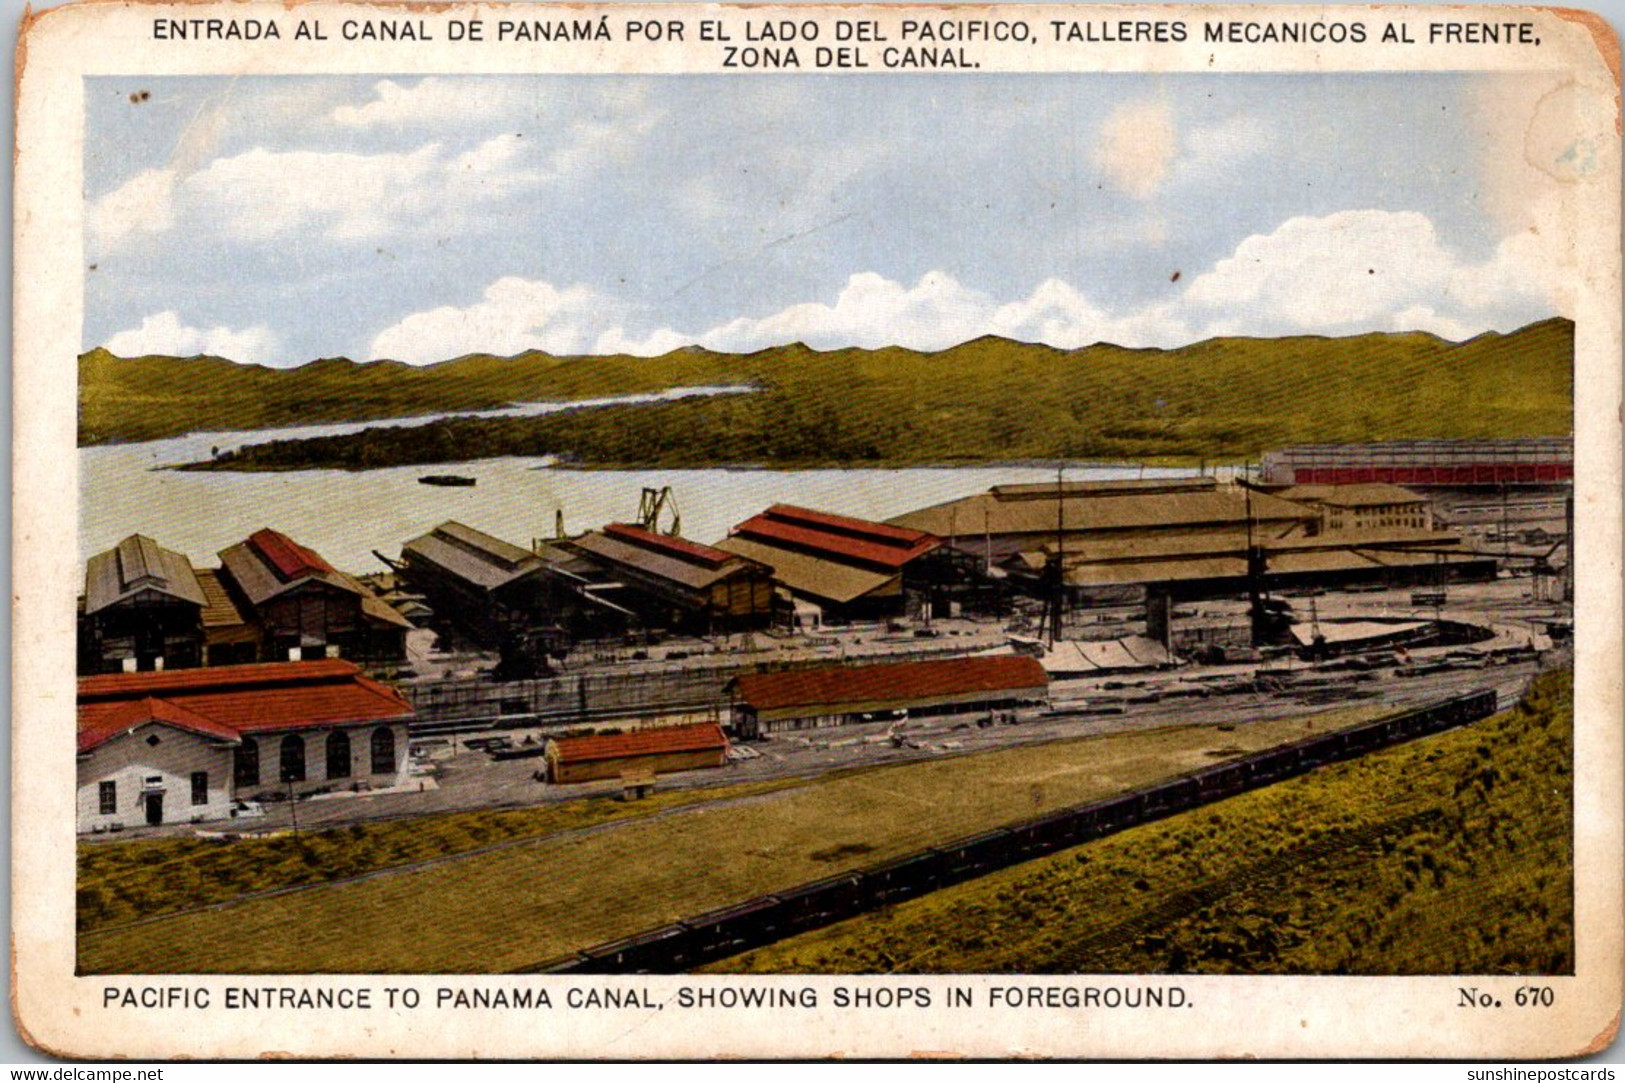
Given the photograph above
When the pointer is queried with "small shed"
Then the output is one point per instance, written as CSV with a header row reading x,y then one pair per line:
x,y
647,752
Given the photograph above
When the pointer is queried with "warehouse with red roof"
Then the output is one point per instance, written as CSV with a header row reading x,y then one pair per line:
x,y
655,751
765,703
181,745
851,569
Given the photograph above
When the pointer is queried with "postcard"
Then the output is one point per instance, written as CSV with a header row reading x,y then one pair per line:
x,y
706,531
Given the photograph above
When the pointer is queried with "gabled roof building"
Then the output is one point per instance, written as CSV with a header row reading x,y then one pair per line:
x,y
182,745
851,568
674,584
143,609
304,607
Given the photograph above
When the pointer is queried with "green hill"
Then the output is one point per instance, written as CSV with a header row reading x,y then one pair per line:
x,y
987,399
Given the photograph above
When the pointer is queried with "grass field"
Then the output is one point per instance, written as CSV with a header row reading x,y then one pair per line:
x,y
517,906
1449,855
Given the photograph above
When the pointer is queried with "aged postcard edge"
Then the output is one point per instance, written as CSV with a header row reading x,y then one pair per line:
x,y
1597,430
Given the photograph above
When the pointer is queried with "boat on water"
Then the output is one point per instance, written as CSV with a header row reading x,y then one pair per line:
x,y
446,479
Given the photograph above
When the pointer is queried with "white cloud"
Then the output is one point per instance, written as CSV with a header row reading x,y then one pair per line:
x,y
1136,147
262,194
435,101
1362,270
870,311
514,315
1344,273
143,204
163,333
1215,150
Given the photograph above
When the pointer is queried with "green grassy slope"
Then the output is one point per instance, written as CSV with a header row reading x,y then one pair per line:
x,y
1450,855
985,399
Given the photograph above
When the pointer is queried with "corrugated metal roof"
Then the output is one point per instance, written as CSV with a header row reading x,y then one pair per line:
x,y
658,565
659,740
809,575
287,558
136,564
1108,510
244,699
263,568
469,566
832,686
845,524
682,549
1371,494
837,538
1040,490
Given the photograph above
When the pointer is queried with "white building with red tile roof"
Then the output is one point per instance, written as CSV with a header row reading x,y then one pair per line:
x,y
181,745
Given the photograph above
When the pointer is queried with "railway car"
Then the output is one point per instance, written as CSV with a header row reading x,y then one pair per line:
x,y
1046,834
732,929
966,857
822,902
902,878
644,953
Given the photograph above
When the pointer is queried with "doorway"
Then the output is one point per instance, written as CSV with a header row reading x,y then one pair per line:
x,y
155,808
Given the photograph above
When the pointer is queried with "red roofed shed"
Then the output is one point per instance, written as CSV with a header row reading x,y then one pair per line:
x,y
649,751
835,695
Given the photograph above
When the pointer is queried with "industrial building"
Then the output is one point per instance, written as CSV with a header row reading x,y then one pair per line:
x,y
673,584
1216,565
143,609
837,568
1371,506
1011,519
147,608
304,608
657,751
182,745
766,703
1531,461
503,597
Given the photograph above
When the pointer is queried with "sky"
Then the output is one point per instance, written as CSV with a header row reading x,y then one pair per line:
x,y
279,219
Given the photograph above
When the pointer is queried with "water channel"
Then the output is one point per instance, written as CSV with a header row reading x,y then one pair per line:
x,y
344,515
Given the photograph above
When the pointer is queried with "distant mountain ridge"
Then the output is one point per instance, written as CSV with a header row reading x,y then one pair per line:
x,y
988,397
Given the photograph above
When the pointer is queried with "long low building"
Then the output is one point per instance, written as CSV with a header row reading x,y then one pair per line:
x,y
182,745
1009,519
656,751
766,703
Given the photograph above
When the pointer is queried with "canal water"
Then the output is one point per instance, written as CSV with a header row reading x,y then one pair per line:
x,y
124,489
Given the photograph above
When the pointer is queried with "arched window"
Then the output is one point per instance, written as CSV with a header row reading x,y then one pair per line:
x,y
293,758
383,751
338,754
247,766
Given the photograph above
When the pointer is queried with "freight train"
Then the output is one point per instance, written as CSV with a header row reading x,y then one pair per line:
x,y
695,941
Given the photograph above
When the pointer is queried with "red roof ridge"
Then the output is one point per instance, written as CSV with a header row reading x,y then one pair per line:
x,y
889,680
119,718
130,685
681,548
882,533
287,558
692,737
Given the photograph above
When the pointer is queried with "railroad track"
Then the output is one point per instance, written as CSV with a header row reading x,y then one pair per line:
x,y
765,919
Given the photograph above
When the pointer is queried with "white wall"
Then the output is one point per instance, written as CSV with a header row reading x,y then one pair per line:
x,y
129,761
